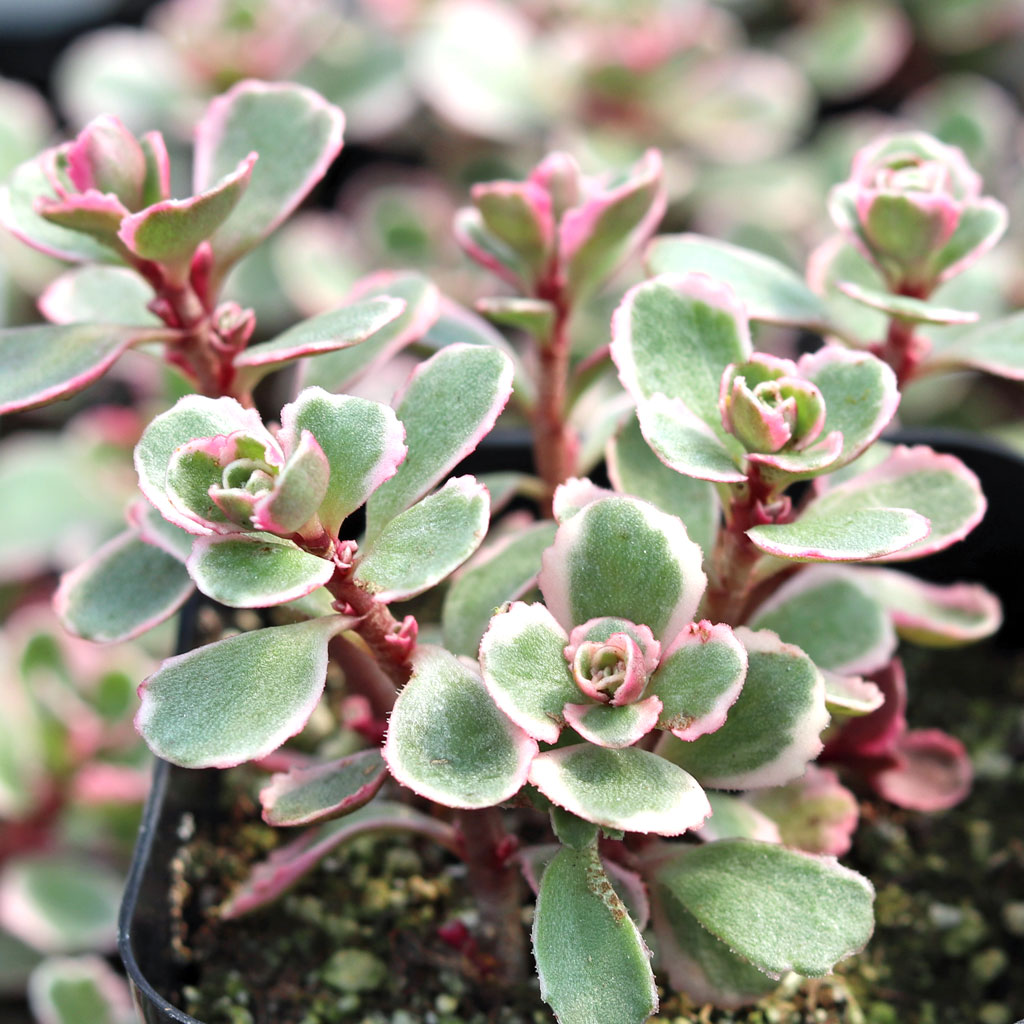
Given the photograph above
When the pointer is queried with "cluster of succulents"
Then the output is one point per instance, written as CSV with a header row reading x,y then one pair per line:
x,y
674,670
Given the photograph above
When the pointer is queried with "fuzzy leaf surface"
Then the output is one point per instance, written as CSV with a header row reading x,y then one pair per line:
x,y
771,291
629,789
832,617
625,558
73,990
361,439
772,731
336,329
675,335
996,347
699,678
448,741
423,544
99,294
237,699
525,671
125,588
296,134
256,570
777,908
937,487
593,964
305,795
449,404
482,588
635,469
45,362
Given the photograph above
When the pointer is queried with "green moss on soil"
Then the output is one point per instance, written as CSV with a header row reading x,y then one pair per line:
x,y
356,942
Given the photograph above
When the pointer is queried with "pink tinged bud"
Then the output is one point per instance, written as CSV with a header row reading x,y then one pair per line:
x,y
107,158
559,176
612,671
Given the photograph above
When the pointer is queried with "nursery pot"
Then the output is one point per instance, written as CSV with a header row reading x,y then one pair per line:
x,y
991,554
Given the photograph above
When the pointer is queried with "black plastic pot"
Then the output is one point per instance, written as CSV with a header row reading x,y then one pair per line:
x,y
992,554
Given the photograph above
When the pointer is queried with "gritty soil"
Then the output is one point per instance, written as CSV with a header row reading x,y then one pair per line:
x,y
357,941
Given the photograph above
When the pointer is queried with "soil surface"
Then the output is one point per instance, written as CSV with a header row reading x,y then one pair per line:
x,y
357,941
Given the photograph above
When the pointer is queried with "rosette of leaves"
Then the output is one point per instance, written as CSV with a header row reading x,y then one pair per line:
x,y
152,266
682,345
567,693
252,517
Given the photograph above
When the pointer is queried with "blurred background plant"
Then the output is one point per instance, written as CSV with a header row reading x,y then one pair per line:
x,y
758,107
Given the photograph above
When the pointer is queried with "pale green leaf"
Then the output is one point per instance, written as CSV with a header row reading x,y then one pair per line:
x,y
629,789
125,588
777,908
497,577
83,990
636,470
770,291
99,294
423,544
255,570
996,347
448,741
592,961
449,404
772,731
237,699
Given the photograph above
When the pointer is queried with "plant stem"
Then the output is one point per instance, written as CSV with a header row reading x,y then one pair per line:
x,y
554,442
496,884
903,349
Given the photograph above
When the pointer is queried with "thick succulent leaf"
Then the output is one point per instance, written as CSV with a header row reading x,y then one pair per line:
x,y
770,291
60,904
928,770
237,699
732,817
698,679
838,533
574,494
449,404
982,224
448,741
779,909
613,726
287,864
336,329
496,578
860,393
627,884
298,491
519,214
772,731
427,542
169,232
488,250
363,442
850,696
592,961
831,616
635,469
65,990
99,294
338,371
686,444
535,316
305,795
524,668
596,236
938,487
255,570
698,964
125,588
623,557
193,416
297,135
902,307
572,831
45,362
629,789
932,614
675,335
996,347
18,214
